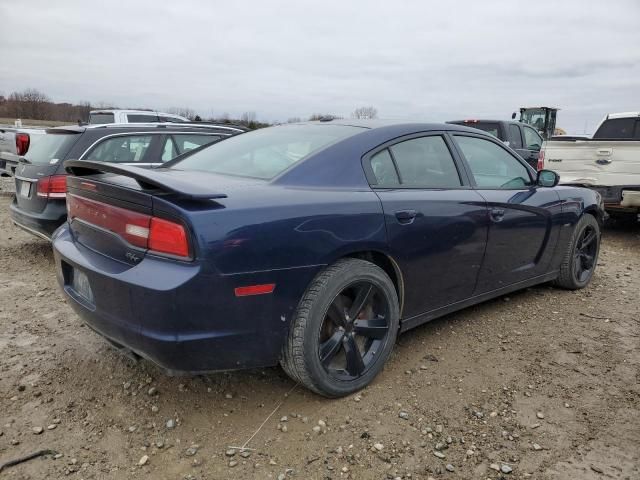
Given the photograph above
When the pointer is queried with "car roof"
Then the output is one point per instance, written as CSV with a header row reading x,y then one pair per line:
x,y
478,120
407,126
149,127
114,110
623,115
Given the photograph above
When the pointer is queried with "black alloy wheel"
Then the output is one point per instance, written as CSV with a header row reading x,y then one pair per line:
x,y
354,329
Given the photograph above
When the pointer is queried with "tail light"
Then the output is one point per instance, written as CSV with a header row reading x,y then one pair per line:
x,y
54,186
22,144
541,160
158,235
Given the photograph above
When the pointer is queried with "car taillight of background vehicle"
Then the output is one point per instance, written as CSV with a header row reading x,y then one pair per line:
x,y
22,143
541,160
158,235
54,186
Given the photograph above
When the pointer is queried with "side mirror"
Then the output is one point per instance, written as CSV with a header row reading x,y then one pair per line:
x,y
547,178
513,116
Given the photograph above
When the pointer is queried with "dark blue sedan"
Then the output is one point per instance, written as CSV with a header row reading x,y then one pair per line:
x,y
313,245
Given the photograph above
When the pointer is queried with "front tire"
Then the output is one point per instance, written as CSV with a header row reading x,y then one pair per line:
x,y
581,256
344,329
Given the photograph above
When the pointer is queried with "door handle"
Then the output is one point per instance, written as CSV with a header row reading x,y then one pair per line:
x,y
406,216
496,214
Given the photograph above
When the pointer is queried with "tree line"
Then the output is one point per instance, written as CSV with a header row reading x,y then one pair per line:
x,y
32,104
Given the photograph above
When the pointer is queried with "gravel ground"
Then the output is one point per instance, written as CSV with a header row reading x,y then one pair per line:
x,y
541,384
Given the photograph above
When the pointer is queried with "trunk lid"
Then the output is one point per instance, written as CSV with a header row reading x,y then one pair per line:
x,y
114,209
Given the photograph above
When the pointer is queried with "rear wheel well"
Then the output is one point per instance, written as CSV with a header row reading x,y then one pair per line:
x,y
389,266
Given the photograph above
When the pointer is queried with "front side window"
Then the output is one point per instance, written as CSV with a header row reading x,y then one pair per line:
x,y
425,163
266,152
491,165
125,149
532,139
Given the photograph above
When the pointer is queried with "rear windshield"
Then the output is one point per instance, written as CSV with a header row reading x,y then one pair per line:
x,y
489,127
44,149
266,152
618,129
100,118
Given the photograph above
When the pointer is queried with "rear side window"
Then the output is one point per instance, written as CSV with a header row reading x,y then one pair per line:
x,y
425,163
618,129
491,165
141,118
384,170
171,119
182,143
50,148
125,149
185,142
101,118
515,140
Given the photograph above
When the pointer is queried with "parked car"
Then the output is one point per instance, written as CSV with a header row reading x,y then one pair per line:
x,y
39,204
313,245
524,139
100,117
608,163
14,143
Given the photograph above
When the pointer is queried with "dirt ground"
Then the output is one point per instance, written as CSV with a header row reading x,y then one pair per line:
x,y
542,384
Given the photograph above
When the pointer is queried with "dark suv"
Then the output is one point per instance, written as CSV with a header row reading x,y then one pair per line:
x,y
40,202
522,138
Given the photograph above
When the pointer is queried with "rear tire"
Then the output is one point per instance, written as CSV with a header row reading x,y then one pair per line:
x,y
581,256
343,330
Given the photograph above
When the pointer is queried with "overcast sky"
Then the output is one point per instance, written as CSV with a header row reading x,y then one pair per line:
x,y
428,60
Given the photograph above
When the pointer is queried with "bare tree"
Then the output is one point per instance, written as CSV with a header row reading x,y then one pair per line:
x,y
30,103
323,116
248,117
365,113
294,120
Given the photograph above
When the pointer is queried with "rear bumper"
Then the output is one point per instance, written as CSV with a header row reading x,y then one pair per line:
x,y
41,224
172,313
619,198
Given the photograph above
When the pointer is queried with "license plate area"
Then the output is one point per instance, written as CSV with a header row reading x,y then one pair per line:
x,y
77,284
25,189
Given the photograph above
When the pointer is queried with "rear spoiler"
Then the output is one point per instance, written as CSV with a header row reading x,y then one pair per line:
x,y
146,178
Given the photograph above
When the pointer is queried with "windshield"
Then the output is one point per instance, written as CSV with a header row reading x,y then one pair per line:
x,y
266,152
489,127
101,118
50,146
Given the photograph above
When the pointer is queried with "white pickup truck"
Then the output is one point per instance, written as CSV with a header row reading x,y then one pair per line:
x,y
609,162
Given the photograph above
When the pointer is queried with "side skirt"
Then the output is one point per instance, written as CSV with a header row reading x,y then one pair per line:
x,y
412,322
